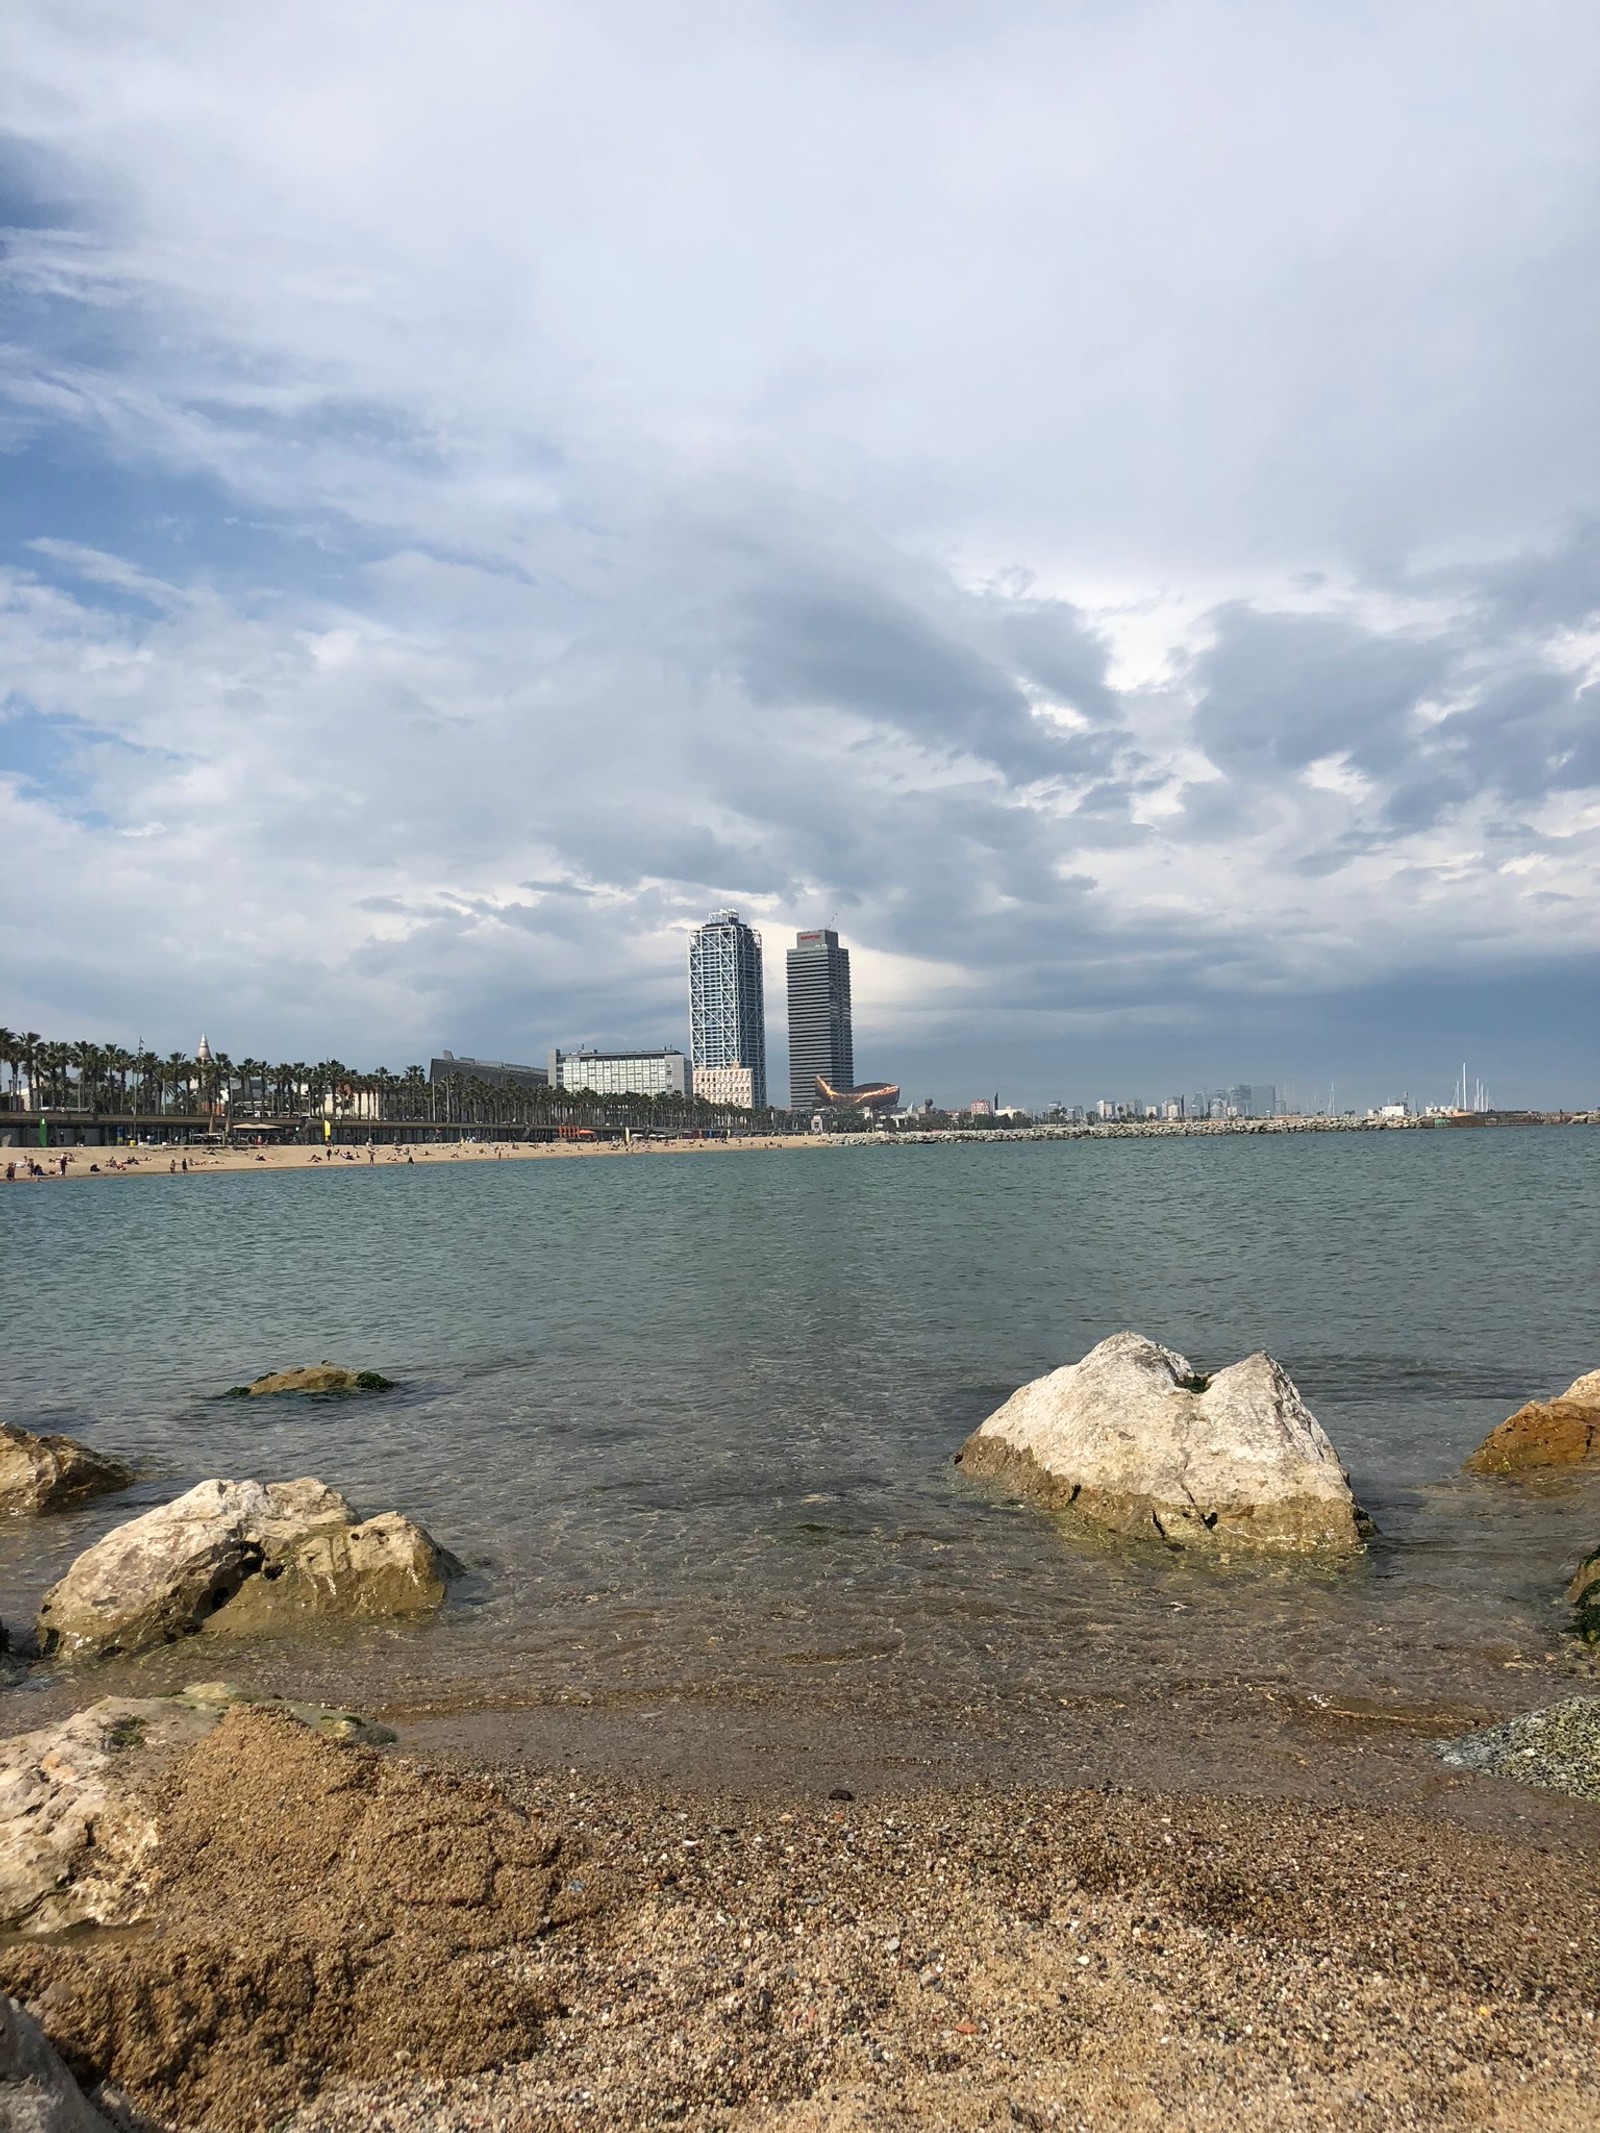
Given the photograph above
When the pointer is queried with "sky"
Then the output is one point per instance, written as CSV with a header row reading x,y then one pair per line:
x,y
1099,503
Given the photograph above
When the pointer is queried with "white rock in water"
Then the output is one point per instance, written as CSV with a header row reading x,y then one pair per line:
x,y
37,2091
1135,1438
243,1555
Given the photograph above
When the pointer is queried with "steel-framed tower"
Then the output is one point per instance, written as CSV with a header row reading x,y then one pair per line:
x,y
727,1000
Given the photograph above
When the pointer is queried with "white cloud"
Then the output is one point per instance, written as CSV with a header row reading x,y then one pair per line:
x,y
1089,496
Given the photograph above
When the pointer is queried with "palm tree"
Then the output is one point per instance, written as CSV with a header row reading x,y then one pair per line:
x,y
176,1071
148,1068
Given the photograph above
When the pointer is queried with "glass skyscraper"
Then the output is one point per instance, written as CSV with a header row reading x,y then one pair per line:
x,y
820,1038
727,1000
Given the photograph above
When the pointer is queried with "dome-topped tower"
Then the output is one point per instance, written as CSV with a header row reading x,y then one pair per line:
x,y
202,1051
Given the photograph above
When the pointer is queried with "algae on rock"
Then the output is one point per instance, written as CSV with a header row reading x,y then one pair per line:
x,y
322,1380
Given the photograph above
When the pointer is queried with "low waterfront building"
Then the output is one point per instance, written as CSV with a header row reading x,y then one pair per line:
x,y
732,1085
498,1073
663,1071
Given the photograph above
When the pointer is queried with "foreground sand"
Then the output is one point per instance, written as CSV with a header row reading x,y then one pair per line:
x,y
368,1943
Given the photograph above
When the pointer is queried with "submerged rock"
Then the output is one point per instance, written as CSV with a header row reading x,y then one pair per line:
x,y
40,1474
37,2091
1564,1431
78,1801
319,1378
184,1567
1134,1438
1557,1748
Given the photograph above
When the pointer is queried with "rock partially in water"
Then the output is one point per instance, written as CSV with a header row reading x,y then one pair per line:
x,y
78,1801
1134,1438
187,1566
160,1576
388,1566
1564,1431
37,2091
323,1379
39,1474
1557,1748
1583,1597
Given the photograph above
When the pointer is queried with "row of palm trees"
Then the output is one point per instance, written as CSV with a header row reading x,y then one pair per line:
x,y
102,1079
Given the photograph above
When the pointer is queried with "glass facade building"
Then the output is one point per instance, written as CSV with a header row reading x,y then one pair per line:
x,y
727,1001
820,1036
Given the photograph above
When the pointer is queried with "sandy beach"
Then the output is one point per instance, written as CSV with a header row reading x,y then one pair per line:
x,y
350,1941
203,1162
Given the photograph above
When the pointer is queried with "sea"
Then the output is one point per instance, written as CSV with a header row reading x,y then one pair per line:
x,y
688,1419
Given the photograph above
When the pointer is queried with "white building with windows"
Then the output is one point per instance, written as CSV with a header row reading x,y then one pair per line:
x,y
662,1072
733,1085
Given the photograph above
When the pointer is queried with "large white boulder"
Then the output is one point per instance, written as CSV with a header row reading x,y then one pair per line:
x,y
1134,1438
239,1555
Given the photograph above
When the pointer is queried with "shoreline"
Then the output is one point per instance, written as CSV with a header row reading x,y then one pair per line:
x,y
155,1160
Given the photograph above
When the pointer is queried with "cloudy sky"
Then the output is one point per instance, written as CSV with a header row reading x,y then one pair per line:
x,y
1099,502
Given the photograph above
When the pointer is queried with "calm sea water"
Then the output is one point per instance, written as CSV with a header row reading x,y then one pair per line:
x,y
689,1419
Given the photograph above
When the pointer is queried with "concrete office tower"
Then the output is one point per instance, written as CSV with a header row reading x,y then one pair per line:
x,y
727,1004
820,1039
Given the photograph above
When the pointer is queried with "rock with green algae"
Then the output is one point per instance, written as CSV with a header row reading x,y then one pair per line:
x,y
77,1800
324,1380
1557,1748
1583,1597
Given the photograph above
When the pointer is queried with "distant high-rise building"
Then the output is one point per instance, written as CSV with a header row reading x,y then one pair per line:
x,y
820,1039
1254,1099
727,1001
